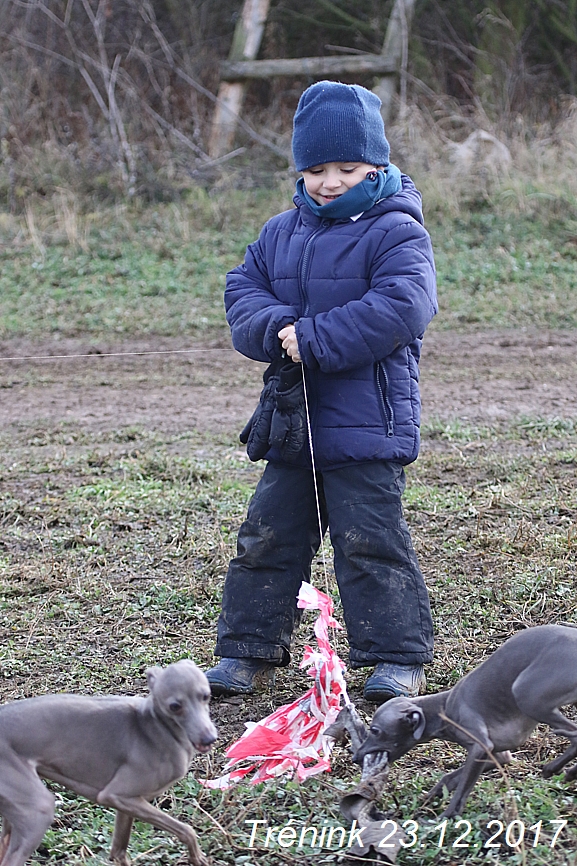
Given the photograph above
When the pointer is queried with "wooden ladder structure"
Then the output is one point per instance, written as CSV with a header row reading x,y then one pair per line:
x,y
241,66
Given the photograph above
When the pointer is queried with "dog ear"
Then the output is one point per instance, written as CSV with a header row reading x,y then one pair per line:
x,y
151,675
417,721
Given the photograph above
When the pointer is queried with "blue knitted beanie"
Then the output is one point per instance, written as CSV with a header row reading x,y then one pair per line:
x,y
337,122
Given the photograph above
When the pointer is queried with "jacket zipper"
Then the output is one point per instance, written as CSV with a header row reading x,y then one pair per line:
x,y
304,267
302,280
384,393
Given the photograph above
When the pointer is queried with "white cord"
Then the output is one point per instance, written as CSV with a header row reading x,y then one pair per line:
x,y
95,355
315,483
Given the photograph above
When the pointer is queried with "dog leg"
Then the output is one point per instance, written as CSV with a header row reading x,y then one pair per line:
x,y
27,815
448,781
542,709
142,810
561,726
120,839
556,765
571,774
451,780
466,777
4,839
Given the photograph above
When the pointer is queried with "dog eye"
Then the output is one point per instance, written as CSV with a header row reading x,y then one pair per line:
x,y
374,730
175,706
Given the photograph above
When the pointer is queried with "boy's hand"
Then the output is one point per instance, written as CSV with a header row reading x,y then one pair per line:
x,y
289,342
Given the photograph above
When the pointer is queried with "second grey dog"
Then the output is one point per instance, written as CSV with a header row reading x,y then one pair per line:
x,y
116,751
493,709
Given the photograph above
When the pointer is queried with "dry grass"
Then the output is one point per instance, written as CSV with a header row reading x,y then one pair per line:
x,y
515,169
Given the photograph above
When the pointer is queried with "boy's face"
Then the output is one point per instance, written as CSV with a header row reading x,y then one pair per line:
x,y
324,183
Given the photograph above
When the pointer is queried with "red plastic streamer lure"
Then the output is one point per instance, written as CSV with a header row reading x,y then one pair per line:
x,y
291,740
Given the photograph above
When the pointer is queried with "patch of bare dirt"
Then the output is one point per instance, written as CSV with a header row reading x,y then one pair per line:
x,y
476,377
492,376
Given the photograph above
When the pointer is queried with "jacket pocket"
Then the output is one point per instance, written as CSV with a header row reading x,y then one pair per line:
x,y
385,404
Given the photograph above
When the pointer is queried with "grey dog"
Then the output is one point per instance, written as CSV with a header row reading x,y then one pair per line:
x,y
116,751
490,711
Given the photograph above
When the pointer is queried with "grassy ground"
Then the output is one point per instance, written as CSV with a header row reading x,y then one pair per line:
x,y
161,270
113,557
114,547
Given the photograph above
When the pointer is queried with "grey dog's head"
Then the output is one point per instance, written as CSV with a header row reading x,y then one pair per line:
x,y
181,694
396,727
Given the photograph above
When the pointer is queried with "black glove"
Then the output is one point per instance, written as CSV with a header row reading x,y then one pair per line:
x,y
256,433
280,417
288,430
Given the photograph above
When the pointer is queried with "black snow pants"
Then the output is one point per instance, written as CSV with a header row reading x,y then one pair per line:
x,y
384,598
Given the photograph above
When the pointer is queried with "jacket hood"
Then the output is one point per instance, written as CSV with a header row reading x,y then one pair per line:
x,y
408,200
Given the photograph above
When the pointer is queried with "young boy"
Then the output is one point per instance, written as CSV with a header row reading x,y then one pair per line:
x,y
345,285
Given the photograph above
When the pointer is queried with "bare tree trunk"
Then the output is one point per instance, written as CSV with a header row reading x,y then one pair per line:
x,y
396,51
245,45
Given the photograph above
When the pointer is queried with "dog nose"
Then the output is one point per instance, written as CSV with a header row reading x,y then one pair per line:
x,y
210,737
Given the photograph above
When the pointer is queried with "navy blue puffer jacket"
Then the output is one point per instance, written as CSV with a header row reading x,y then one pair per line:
x,y
361,294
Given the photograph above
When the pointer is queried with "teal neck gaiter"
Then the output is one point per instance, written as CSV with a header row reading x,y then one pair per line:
x,y
359,198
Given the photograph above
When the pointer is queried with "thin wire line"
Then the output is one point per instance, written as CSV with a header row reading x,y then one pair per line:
x,y
316,487
104,355
347,700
